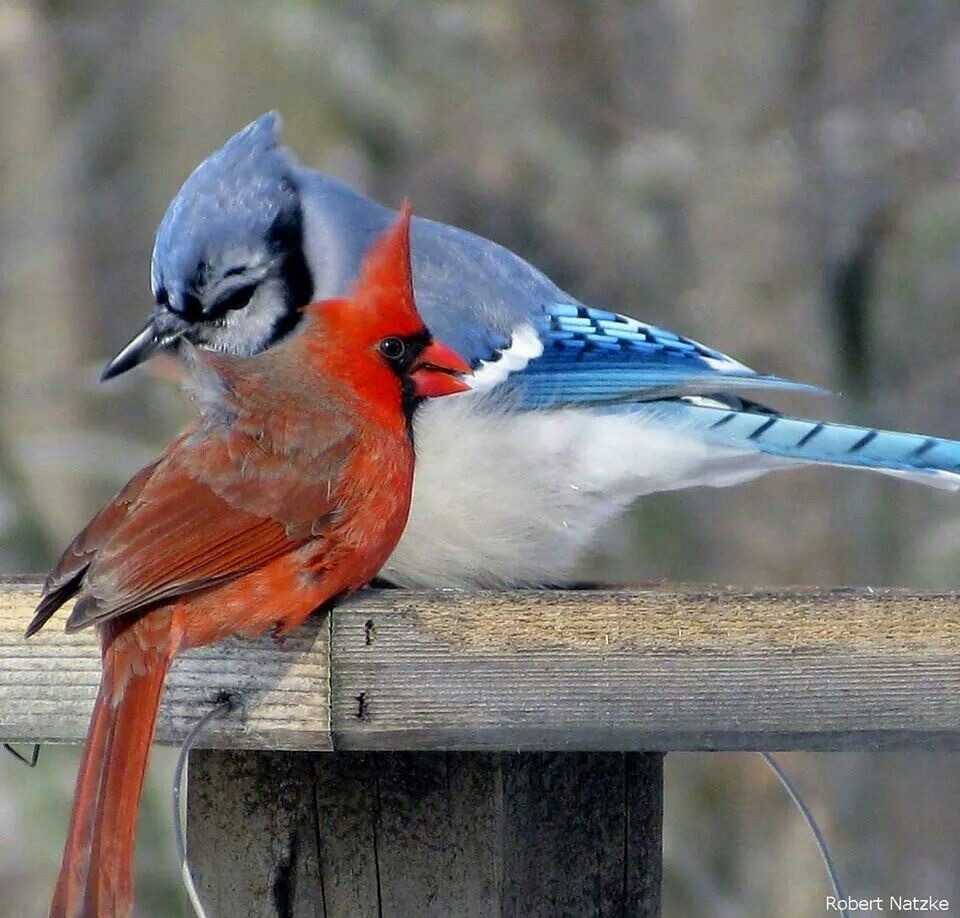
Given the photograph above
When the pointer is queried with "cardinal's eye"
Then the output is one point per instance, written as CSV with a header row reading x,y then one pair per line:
x,y
393,348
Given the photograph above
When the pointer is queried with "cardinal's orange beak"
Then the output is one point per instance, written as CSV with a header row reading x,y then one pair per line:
x,y
439,371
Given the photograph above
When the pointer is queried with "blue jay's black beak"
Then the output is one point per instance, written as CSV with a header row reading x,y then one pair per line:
x,y
147,342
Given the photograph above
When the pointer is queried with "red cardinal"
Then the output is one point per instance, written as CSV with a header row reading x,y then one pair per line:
x,y
287,494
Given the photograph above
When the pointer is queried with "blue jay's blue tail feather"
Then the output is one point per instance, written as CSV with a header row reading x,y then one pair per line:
x,y
928,460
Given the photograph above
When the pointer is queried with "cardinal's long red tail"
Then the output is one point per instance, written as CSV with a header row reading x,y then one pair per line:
x,y
96,875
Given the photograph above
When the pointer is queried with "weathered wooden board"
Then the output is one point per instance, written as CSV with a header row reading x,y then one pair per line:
x,y
252,833
487,835
685,669
690,668
47,684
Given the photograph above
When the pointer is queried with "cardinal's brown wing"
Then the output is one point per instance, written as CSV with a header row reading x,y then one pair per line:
x,y
216,506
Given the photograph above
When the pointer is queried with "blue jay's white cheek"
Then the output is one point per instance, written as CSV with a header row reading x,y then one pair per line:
x,y
252,329
525,345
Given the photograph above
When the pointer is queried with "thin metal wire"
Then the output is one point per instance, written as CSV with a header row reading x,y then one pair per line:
x,y
225,703
20,757
818,837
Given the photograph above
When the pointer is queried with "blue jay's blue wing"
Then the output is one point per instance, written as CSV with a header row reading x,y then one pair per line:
x,y
506,317
590,356
742,425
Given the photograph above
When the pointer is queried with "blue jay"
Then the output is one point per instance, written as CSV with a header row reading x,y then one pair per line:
x,y
576,412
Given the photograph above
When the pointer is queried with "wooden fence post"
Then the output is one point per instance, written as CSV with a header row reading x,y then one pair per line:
x,y
424,834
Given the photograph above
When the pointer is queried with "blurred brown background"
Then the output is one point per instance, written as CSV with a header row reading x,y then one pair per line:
x,y
777,178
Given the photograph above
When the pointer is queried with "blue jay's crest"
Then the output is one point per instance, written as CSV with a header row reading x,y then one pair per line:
x,y
245,192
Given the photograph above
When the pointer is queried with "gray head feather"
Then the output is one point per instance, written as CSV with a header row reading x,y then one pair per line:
x,y
228,262
237,194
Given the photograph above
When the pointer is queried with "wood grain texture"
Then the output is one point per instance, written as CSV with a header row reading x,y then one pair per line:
x,y
425,835
680,669
252,833
48,684
687,668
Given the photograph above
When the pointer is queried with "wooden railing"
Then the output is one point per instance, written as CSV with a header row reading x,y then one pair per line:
x,y
497,753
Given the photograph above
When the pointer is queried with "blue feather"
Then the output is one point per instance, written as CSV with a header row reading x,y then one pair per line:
x,y
593,356
808,441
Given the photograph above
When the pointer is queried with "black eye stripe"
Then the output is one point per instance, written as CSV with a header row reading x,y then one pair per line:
x,y
401,352
236,299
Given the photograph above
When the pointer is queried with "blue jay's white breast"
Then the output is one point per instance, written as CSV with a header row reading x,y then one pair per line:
x,y
507,498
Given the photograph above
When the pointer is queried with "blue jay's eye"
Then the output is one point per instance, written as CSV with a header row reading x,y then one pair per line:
x,y
393,348
238,299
